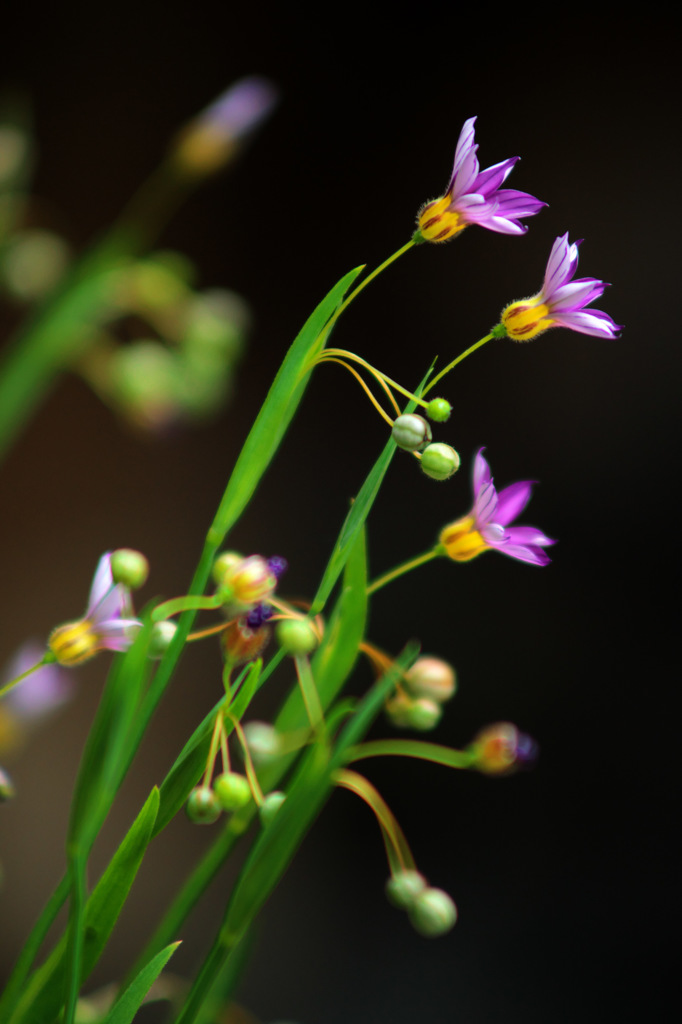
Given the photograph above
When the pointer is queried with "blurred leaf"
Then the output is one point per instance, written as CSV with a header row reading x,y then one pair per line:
x,y
124,1009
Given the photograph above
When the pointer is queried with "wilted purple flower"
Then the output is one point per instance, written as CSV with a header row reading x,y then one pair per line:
x,y
487,525
104,626
500,749
475,197
560,303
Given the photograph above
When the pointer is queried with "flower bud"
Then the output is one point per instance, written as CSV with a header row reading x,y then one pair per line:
x,y
160,638
240,643
411,432
403,888
202,806
433,913
431,678
421,714
34,261
7,790
223,564
263,741
129,567
500,749
439,410
296,636
248,582
232,791
271,806
439,461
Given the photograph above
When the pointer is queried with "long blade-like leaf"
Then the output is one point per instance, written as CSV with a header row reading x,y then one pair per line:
x,y
124,1009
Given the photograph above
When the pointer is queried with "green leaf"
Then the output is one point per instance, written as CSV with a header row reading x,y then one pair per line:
x,y
277,411
44,993
124,1009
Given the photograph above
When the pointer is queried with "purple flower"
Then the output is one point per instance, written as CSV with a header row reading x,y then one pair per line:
x,y
42,692
487,525
500,749
561,302
105,625
475,197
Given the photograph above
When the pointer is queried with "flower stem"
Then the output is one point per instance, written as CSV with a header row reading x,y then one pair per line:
x,y
459,359
375,273
46,659
400,569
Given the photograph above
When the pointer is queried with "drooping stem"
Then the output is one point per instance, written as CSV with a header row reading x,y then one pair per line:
x,y
453,364
401,569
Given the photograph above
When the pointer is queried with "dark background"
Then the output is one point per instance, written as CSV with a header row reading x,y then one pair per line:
x,y
563,877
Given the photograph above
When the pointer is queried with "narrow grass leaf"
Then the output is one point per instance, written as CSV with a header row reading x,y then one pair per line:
x,y
124,1009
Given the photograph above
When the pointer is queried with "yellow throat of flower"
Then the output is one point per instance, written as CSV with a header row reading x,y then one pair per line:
x,y
526,319
74,643
437,223
462,541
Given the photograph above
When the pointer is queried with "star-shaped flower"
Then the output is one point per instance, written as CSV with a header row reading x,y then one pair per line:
x,y
475,197
487,525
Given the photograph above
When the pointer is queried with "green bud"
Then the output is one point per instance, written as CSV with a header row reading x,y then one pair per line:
x,y
431,678
439,461
424,714
223,563
202,806
296,636
438,410
160,638
263,741
7,790
411,432
433,913
232,791
403,888
271,806
129,567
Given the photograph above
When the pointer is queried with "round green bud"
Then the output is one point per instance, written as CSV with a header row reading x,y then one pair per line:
x,y
433,913
232,790
403,888
271,806
423,715
439,461
439,410
202,806
7,790
129,567
263,741
431,678
160,638
296,636
223,563
411,432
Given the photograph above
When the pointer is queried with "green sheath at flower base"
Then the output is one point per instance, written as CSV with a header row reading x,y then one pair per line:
x,y
297,637
403,888
433,913
411,432
440,461
129,567
439,410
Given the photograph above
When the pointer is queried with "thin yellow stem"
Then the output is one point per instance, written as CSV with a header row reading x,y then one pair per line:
x,y
224,751
381,377
454,362
390,828
213,749
251,775
400,569
331,359
211,631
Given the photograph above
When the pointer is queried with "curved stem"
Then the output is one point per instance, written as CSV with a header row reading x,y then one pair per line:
x,y
383,378
454,362
400,569
341,362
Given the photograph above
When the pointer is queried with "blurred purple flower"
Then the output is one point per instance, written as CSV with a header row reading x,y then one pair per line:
x,y
241,108
560,303
487,525
475,197
42,692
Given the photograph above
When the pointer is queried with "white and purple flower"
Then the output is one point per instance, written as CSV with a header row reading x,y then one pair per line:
x,y
487,526
105,626
561,302
475,197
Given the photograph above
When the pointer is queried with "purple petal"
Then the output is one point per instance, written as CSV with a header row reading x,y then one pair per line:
x,y
102,582
485,505
117,634
242,107
494,534
512,500
492,177
512,203
481,475
465,176
593,321
522,553
43,691
561,265
464,145
528,535
503,226
571,297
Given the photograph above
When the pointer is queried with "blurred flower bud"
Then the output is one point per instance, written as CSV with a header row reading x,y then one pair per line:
x,y
232,791
411,432
33,263
406,713
160,638
500,749
439,410
277,565
431,678
248,582
271,806
202,806
258,615
439,461
145,380
208,142
433,913
7,790
263,741
403,888
225,561
296,636
215,325
241,643
129,567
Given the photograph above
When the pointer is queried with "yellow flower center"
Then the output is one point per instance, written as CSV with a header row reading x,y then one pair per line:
x,y
437,223
74,643
461,541
526,319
